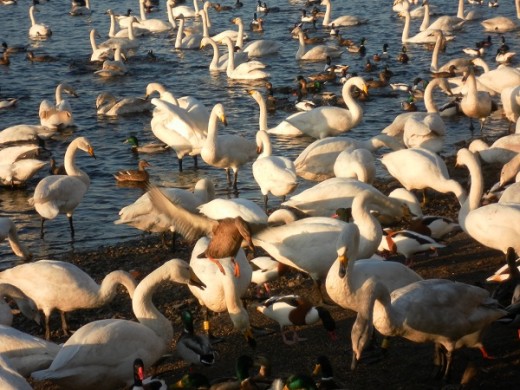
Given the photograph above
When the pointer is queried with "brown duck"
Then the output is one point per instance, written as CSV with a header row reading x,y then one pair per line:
x,y
136,175
226,234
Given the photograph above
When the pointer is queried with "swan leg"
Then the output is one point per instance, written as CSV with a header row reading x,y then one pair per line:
x,y
449,358
195,162
228,176
438,361
265,202
41,229
64,325
47,328
180,164
235,178
71,227
482,123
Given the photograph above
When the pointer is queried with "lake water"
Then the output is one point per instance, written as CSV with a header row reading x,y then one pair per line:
x,y
185,73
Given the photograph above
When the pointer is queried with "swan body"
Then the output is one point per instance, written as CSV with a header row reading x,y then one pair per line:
x,y
494,225
251,70
27,353
262,47
192,41
476,104
58,285
420,168
142,215
10,379
37,30
223,289
8,230
246,209
497,79
356,164
348,275
153,25
316,161
421,37
98,53
113,68
228,151
83,362
342,21
23,134
26,306
316,53
325,121
125,44
57,115
187,11
502,150
81,10
61,194
108,105
444,23
19,172
219,62
448,313
502,24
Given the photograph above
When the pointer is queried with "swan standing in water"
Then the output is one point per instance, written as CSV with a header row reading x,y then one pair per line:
x,y
61,194
476,104
8,230
227,151
273,174
325,121
348,275
37,31
57,115
495,225
58,285
83,362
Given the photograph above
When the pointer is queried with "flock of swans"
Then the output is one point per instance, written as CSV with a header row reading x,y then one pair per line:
x,y
341,255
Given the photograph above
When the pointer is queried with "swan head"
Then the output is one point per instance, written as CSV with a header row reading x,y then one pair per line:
x,y
347,247
237,20
104,97
154,87
218,110
84,144
358,82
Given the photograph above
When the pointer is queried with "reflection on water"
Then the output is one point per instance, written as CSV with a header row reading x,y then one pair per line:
x,y
183,73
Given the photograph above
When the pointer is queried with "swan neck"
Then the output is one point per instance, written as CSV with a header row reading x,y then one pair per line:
x,y
169,12
301,46
460,10
131,35
383,140
31,16
406,28
205,23
59,94
231,56
369,227
216,54
262,121
196,6
141,10
476,188
7,289
240,38
385,319
429,103
212,129
144,309
93,43
435,55
108,287
70,164
328,11
263,141
353,106
112,32
180,31
18,248
517,6
426,18
207,20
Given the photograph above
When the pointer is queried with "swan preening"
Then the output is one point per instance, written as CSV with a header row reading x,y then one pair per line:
x,y
61,194
83,362
8,230
58,115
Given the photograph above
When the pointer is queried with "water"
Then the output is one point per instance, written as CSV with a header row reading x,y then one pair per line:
x,y
183,73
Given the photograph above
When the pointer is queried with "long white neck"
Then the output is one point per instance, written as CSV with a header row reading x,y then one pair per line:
x,y
117,54
369,227
70,164
406,28
108,288
231,56
216,54
196,6
205,10
163,93
131,35
480,62
460,10
18,248
382,140
426,18
180,31
240,37
517,6
59,93
301,47
429,103
169,12
31,15
263,143
436,50
204,191
465,157
93,43
328,11
141,10
87,4
211,138
205,23
113,30
355,109
262,120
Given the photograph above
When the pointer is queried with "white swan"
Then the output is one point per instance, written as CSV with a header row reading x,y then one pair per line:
x,y
341,21
451,314
25,304
499,78
13,153
316,53
325,121
124,33
81,10
419,169
125,44
502,150
83,362
19,134
113,68
357,164
476,104
8,230
219,62
192,41
153,25
98,53
348,274
236,36
316,161
57,115
246,209
227,151
142,215
274,174
37,30
61,194
472,14
502,24
251,70
186,11
494,225
19,172
444,23
262,47
10,379
58,285
27,353
224,288
108,105
421,37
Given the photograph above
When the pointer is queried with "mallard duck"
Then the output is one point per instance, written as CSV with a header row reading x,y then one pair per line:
x,y
381,82
485,43
266,269
312,40
403,57
192,380
148,148
384,54
4,60
409,105
300,382
344,41
361,49
139,175
219,8
324,367
329,75
140,382
55,169
290,310
257,24
446,74
41,58
243,379
13,49
194,349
